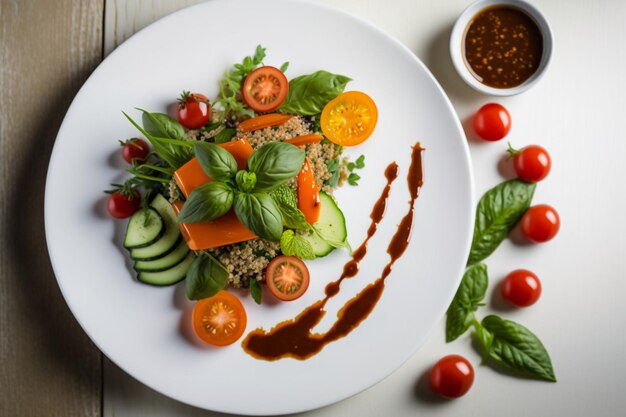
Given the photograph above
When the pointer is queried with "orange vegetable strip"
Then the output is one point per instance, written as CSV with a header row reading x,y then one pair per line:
x,y
305,139
191,175
308,194
266,120
219,232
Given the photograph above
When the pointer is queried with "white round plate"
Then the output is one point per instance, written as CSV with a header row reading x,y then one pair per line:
x,y
145,330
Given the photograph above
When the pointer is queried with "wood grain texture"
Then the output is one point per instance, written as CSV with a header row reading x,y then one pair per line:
x,y
123,18
48,365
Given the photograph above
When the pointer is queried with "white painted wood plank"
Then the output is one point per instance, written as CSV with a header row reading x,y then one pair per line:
x,y
576,112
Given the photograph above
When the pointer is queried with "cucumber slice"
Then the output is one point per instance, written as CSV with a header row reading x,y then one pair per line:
x,y
331,227
168,242
170,276
144,228
166,262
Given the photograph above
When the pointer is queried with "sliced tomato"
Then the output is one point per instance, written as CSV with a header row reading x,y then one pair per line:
x,y
219,320
287,278
265,89
349,118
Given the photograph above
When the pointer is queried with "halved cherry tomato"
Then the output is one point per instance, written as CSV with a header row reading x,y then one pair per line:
x,y
349,118
219,320
287,278
521,288
265,89
135,150
260,122
194,110
532,163
452,376
308,194
492,122
540,223
123,204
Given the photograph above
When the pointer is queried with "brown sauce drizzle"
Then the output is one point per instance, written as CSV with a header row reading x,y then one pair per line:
x,y
293,338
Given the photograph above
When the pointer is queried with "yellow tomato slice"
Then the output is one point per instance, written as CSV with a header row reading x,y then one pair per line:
x,y
349,119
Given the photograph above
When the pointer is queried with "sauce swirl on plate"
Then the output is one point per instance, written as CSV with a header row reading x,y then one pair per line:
x,y
294,338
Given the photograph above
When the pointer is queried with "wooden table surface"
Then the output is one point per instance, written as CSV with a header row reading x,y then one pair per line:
x,y
48,366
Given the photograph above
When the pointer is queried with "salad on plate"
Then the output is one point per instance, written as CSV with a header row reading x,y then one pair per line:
x,y
238,191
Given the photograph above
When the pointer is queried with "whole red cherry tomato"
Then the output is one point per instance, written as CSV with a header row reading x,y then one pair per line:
x,y
452,376
492,122
135,150
521,288
194,110
532,163
540,223
122,205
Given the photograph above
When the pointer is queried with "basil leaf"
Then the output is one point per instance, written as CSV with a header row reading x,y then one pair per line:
x,y
255,291
517,348
216,161
245,180
308,94
284,67
292,244
225,135
205,278
207,202
274,164
466,300
259,213
497,212
162,125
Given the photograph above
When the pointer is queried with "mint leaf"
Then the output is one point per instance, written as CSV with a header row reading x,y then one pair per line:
x,y
255,291
292,244
517,348
466,301
498,211
205,278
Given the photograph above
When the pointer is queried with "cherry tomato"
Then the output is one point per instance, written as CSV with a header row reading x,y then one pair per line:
x,y
135,150
492,122
521,288
452,376
122,205
287,278
540,223
532,163
194,110
349,118
219,320
265,89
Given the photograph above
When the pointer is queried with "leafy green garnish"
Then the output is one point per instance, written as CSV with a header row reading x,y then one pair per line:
x,y
255,291
292,244
308,94
207,202
205,278
230,85
466,301
260,214
274,164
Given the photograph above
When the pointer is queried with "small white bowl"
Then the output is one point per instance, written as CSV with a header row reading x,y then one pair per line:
x,y
457,41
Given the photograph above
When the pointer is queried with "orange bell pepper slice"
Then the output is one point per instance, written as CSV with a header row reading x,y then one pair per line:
x,y
308,194
191,175
305,139
266,120
219,232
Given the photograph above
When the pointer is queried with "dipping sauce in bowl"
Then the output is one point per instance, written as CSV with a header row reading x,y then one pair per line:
x,y
503,46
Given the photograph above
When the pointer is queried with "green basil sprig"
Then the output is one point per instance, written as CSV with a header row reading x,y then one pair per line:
x,y
497,212
205,278
466,301
308,94
247,192
255,291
